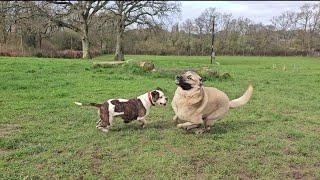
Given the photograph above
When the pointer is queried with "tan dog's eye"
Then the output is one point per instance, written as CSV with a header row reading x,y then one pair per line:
x,y
189,77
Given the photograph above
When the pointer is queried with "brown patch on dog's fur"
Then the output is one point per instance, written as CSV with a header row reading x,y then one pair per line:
x,y
132,109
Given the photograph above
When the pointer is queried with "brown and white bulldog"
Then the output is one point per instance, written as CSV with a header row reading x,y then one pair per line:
x,y
128,109
194,103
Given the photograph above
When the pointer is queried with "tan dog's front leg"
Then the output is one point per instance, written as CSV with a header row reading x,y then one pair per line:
x,y
175,118
188,125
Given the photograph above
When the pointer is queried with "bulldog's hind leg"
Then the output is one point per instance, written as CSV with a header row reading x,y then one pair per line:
x,y
105,120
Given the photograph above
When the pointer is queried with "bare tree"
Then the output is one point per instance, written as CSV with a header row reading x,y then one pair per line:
x,y
76,16
4,19
174,34
200,23
127,13
188,27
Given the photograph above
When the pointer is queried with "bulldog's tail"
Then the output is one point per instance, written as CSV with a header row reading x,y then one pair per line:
x,y
243,99
88,104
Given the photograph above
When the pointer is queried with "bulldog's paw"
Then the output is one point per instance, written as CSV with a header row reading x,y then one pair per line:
x,y
103,129
142,126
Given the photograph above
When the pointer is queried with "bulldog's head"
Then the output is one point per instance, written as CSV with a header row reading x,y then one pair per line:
x,y
158,97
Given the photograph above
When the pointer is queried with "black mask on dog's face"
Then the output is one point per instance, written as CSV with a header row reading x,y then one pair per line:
x,y
183,84
189,80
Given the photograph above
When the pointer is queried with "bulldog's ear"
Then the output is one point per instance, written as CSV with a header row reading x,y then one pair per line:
x,y
155,95
158,88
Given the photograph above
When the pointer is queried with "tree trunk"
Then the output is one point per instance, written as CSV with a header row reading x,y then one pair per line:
x,y
189,46
85,42
119,56
40,41
85,47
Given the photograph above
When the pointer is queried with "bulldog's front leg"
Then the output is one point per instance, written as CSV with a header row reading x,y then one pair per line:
x,y
143,123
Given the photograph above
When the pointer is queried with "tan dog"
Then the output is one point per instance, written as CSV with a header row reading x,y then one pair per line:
x,y
196,104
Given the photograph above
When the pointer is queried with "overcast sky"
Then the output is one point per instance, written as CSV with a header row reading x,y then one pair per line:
x,y
258,11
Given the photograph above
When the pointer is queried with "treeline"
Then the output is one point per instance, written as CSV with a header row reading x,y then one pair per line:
x,y
291,33
89,28
58,28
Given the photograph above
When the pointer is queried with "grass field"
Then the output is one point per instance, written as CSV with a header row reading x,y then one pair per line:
x,y
44,135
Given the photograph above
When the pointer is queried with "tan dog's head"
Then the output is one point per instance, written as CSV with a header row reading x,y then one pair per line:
x,y
189,80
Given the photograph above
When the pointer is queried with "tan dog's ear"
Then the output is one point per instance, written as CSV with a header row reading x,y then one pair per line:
x,y
202,79
158,88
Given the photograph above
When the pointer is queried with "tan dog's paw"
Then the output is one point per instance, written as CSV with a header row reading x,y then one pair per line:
x,y
200,131
180,126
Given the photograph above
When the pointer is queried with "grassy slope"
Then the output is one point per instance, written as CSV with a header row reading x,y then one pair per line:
x,y
276,135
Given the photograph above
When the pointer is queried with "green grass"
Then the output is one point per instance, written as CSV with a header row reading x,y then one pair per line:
x,y
44,135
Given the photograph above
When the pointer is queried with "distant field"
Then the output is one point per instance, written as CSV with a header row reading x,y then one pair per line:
x,y
44,135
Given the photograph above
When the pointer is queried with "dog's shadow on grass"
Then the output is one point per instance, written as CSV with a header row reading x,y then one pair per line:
x,y
160,125
218,128
232,126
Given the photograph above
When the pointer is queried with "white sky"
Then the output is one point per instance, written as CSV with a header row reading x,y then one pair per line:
x,y
258,11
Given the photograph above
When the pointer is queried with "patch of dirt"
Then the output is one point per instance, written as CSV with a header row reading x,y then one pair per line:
x,y
97,159
286,151
297,172
198,166
40,166
317,164
3,152
7,129
290,138
252,137
174,150
243,175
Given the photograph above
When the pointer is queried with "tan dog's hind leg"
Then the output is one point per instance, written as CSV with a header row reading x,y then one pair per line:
x,y
209,121
207,127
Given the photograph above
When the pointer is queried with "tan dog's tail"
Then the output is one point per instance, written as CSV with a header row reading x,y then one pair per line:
x,y
243,99
88,104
